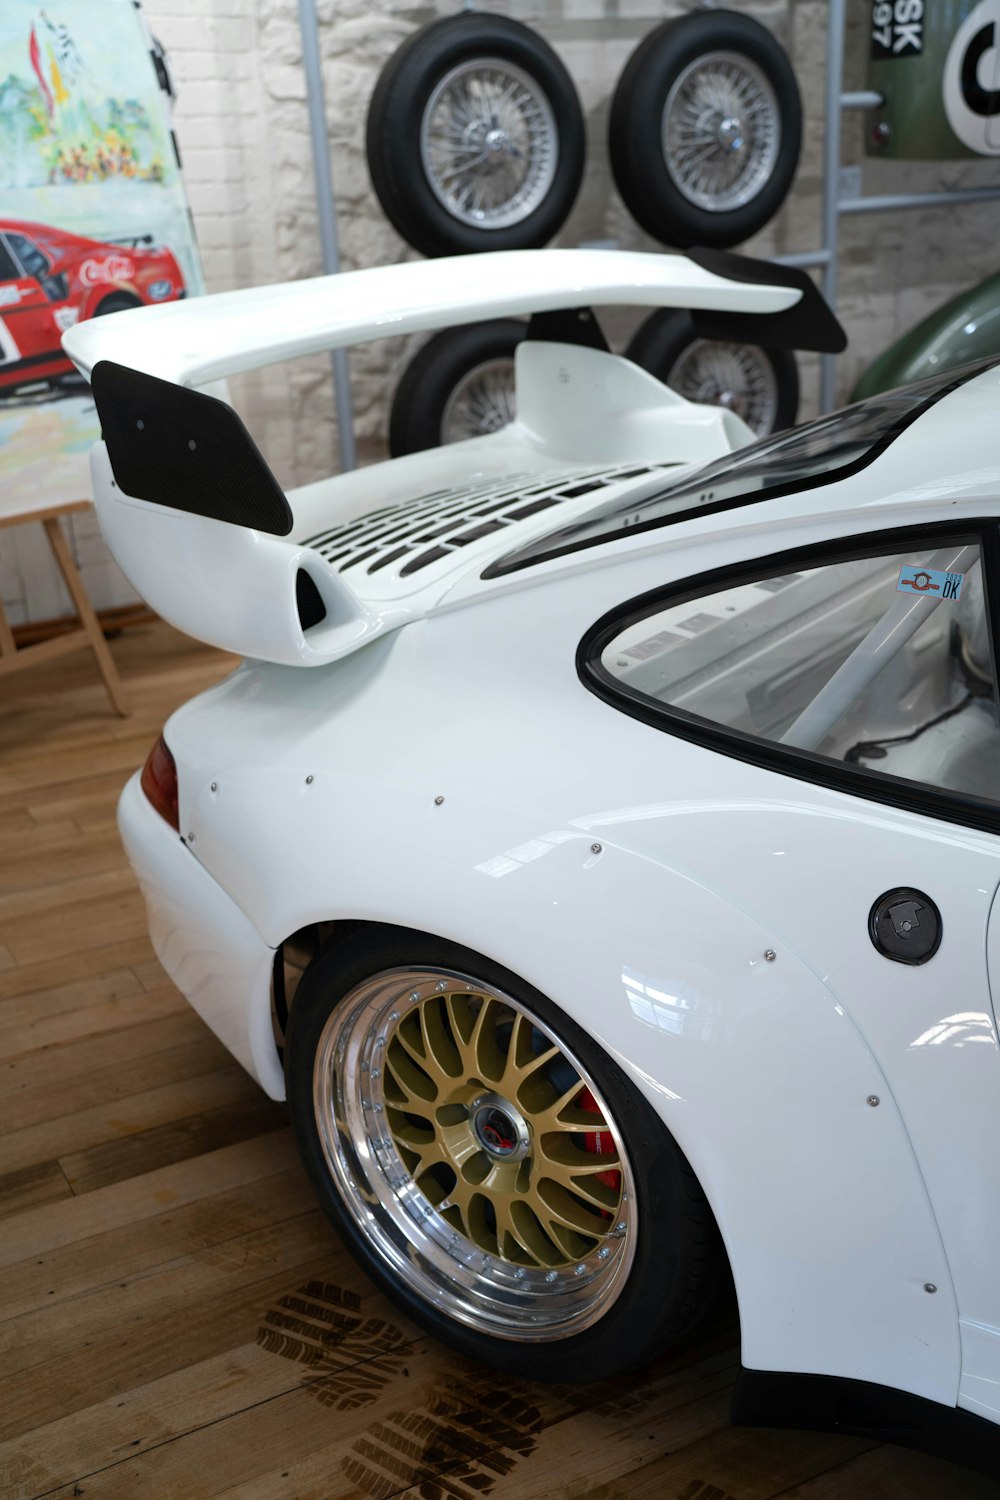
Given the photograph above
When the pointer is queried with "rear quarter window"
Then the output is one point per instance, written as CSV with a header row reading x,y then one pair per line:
x,y
872,665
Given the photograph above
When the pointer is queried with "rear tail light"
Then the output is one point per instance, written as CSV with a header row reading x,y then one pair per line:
x,y
159,782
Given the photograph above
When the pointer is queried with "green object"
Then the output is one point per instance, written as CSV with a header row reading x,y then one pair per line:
x,y
964,329
935,65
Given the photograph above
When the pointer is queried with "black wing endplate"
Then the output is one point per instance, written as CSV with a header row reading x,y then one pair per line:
x,y
178,447
810,324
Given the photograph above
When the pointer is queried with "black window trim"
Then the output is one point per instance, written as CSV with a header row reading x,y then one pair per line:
x,y
803,765
10,236
511,562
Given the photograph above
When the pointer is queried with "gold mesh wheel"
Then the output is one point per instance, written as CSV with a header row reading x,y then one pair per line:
x,y
475,1153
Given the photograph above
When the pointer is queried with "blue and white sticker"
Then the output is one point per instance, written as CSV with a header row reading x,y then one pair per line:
x,y
930,581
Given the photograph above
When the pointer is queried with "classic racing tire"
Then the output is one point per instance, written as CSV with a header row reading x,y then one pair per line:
x,y
759,385
490,1167
475,137
705,129
459,385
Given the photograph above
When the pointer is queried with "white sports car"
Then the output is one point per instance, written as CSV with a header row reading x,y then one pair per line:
x,y
599,844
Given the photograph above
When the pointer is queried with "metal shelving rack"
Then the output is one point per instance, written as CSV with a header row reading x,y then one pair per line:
x,y
326,208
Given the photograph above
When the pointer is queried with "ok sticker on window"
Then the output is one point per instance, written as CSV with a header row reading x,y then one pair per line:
x,y
930,581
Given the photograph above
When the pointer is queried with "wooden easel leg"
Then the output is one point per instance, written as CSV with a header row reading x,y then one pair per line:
x,y
7,646
85,610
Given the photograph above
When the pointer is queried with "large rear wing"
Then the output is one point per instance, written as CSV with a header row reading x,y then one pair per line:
x,y
195,342
197,521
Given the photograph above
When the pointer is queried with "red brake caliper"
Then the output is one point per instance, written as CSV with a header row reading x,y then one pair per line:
x,y
600,1143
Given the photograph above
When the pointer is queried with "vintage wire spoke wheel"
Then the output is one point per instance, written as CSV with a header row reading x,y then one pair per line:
x,y
482,402
459,385
720,131
479,1162
475,137
759,385
705,129
489,143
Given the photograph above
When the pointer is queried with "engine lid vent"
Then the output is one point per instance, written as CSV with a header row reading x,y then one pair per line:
x,y
413,535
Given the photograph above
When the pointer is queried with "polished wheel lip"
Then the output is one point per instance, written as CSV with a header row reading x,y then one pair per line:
x,y
507,1300
489,143
737,376
483,401
720,131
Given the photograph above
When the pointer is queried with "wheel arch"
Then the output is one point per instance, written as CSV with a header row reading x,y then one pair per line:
x,y
763,1081
755,1067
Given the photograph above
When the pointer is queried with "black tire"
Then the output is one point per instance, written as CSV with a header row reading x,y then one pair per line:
x,y
404,102
669,1258
459,384
651,184
116,302
768,399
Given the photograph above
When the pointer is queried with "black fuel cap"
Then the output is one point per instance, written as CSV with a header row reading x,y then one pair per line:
x,y
905,926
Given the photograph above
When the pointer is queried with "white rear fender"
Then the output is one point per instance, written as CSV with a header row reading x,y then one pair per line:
x,y
234,586
754,1067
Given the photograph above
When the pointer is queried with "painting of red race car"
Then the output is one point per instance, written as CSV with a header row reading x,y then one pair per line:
x,y
50,279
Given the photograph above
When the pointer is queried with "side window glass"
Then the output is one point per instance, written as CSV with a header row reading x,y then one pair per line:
x,y
882,662
30,256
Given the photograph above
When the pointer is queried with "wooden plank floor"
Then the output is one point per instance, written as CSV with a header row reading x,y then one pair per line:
x,y
176,1321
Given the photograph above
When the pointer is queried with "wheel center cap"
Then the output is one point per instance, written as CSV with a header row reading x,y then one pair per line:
x,y
499,1128
498,142
729,133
